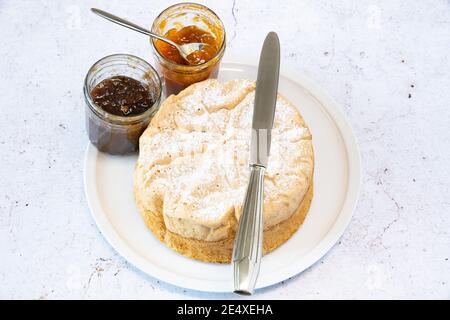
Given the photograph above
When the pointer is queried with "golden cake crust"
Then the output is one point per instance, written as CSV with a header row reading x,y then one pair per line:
x,y
221,251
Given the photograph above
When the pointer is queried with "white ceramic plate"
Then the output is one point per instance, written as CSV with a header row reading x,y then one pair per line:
x,y
108,186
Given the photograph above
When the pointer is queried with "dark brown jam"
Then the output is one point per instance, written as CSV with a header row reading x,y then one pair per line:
x,y
122,96
125,97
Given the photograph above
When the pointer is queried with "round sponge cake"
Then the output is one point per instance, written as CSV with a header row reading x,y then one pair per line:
x,y
192,171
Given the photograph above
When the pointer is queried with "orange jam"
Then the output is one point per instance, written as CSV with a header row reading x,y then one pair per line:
x,y
189,34
187,23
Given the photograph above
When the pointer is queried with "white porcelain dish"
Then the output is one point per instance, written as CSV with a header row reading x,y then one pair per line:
x,y
109,191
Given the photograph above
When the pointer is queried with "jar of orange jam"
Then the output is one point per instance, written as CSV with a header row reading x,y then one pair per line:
x,y
187,23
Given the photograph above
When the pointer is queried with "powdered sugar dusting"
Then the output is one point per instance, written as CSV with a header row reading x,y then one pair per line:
x,y
199,169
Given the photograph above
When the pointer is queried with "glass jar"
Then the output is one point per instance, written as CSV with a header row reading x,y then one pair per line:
x,y
115,134
176,76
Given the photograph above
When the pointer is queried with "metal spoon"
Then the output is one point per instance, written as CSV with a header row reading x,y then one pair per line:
x,y
185,49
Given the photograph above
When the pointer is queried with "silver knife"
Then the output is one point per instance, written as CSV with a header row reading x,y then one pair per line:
x,y
247,251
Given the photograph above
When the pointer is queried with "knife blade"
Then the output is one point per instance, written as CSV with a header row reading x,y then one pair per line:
x,y
265,100
247,251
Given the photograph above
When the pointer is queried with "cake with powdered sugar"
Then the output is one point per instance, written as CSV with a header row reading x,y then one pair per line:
x,y
192,171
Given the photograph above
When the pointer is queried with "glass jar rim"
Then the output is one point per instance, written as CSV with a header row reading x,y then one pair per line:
x,y
189,67
115,118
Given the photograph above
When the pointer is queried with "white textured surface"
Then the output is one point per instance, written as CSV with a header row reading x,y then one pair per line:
x,y
386,63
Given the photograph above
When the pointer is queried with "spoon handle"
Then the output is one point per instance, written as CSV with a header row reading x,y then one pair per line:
x,y
130,25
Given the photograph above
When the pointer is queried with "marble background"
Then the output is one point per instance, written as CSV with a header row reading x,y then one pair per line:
x,y
385,62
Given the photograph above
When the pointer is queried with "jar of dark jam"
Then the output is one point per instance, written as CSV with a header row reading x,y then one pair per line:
x,y
122,93
187,23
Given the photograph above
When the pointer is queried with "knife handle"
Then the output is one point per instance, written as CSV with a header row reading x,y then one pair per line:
x,y
247,249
